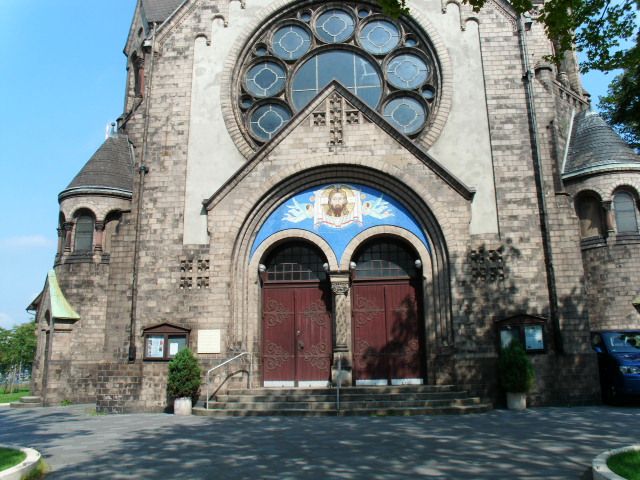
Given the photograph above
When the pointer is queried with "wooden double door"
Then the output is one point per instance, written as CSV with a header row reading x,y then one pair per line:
x,y
297,334
388,338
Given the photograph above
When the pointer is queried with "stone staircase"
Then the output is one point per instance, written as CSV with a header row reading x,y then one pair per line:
x,y
27,402
390,400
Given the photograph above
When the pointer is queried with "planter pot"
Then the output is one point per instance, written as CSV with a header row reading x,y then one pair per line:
x,y
516,401
182,406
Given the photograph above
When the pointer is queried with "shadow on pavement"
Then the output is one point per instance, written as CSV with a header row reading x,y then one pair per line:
x,y
538,443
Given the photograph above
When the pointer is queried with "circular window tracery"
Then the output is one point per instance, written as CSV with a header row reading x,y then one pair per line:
x,y
335,25
379,37
389,64
290,42
265,79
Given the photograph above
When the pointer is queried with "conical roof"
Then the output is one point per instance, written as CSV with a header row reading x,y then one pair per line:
x,y
159,10
595,147
108,171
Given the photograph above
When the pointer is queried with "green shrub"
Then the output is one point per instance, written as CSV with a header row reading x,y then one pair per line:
x,y
184,376
515,370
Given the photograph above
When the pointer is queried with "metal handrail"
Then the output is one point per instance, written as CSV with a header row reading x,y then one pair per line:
x,y
207,376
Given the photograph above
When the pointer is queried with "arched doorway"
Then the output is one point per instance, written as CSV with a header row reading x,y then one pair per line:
x,y
296,317
388,335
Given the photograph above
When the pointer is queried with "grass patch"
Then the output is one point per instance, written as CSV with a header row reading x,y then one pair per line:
x,y
626,464
13,397
10,458
39,472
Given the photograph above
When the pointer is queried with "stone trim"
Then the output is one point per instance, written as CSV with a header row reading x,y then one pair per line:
x,y
292,234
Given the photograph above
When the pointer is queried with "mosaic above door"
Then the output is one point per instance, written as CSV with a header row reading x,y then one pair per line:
x,y
337,212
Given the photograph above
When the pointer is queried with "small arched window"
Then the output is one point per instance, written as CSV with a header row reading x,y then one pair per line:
x,y
589,213
111,227
295,261
624,206
385,257
84,233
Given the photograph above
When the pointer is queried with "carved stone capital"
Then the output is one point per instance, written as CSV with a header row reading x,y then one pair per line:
x,y
340,288
99,226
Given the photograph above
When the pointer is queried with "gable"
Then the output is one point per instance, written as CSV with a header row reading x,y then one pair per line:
x,y
334,123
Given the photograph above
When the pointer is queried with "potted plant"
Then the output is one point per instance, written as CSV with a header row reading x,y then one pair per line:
x,y
183,382
516,375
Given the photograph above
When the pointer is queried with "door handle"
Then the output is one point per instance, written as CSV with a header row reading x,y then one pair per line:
x,y
300,345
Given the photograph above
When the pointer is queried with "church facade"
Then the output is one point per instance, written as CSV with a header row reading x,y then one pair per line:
x,y
319,188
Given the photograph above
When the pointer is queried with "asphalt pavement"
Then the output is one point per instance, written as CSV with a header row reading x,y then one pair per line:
x,y
539,443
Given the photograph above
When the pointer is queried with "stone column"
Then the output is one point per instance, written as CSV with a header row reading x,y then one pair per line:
x,y
99,237
61,237
68,227
609,218
341,328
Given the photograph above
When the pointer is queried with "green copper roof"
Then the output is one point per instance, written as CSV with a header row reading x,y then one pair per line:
x,y
60,307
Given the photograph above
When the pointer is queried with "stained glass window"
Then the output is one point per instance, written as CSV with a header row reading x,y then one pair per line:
x,y
267,119
265,79
291,42
379,37
406,114
352,70
407,71
335,26
302,50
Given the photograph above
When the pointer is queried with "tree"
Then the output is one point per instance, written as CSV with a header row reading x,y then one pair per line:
x,y
621,106
595,27
184,376
17,351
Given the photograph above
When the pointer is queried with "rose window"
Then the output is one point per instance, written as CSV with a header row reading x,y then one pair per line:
x,y
388,64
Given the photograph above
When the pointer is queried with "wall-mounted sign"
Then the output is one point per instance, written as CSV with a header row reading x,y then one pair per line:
x,y
337,213
209,341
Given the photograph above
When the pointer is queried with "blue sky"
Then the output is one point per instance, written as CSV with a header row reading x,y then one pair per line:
x,y
62,75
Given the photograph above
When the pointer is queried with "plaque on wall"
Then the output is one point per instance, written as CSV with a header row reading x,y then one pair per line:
x,y
209,341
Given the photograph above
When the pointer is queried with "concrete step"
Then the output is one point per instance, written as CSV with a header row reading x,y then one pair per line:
x,y
344,405
345,390
402,411
344,396
31,399
25,405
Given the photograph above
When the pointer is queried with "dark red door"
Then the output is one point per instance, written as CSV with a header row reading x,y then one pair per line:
x,y
386,332
297,340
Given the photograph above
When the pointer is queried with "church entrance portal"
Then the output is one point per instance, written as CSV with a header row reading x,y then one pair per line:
x,y
388,336
296,318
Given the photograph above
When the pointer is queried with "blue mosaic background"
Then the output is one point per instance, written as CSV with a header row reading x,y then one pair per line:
x,y
365,207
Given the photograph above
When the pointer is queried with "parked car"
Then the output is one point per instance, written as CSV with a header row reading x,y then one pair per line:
x,y
619,363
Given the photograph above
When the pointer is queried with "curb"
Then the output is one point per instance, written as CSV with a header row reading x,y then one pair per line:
x,y
22,469
599,465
